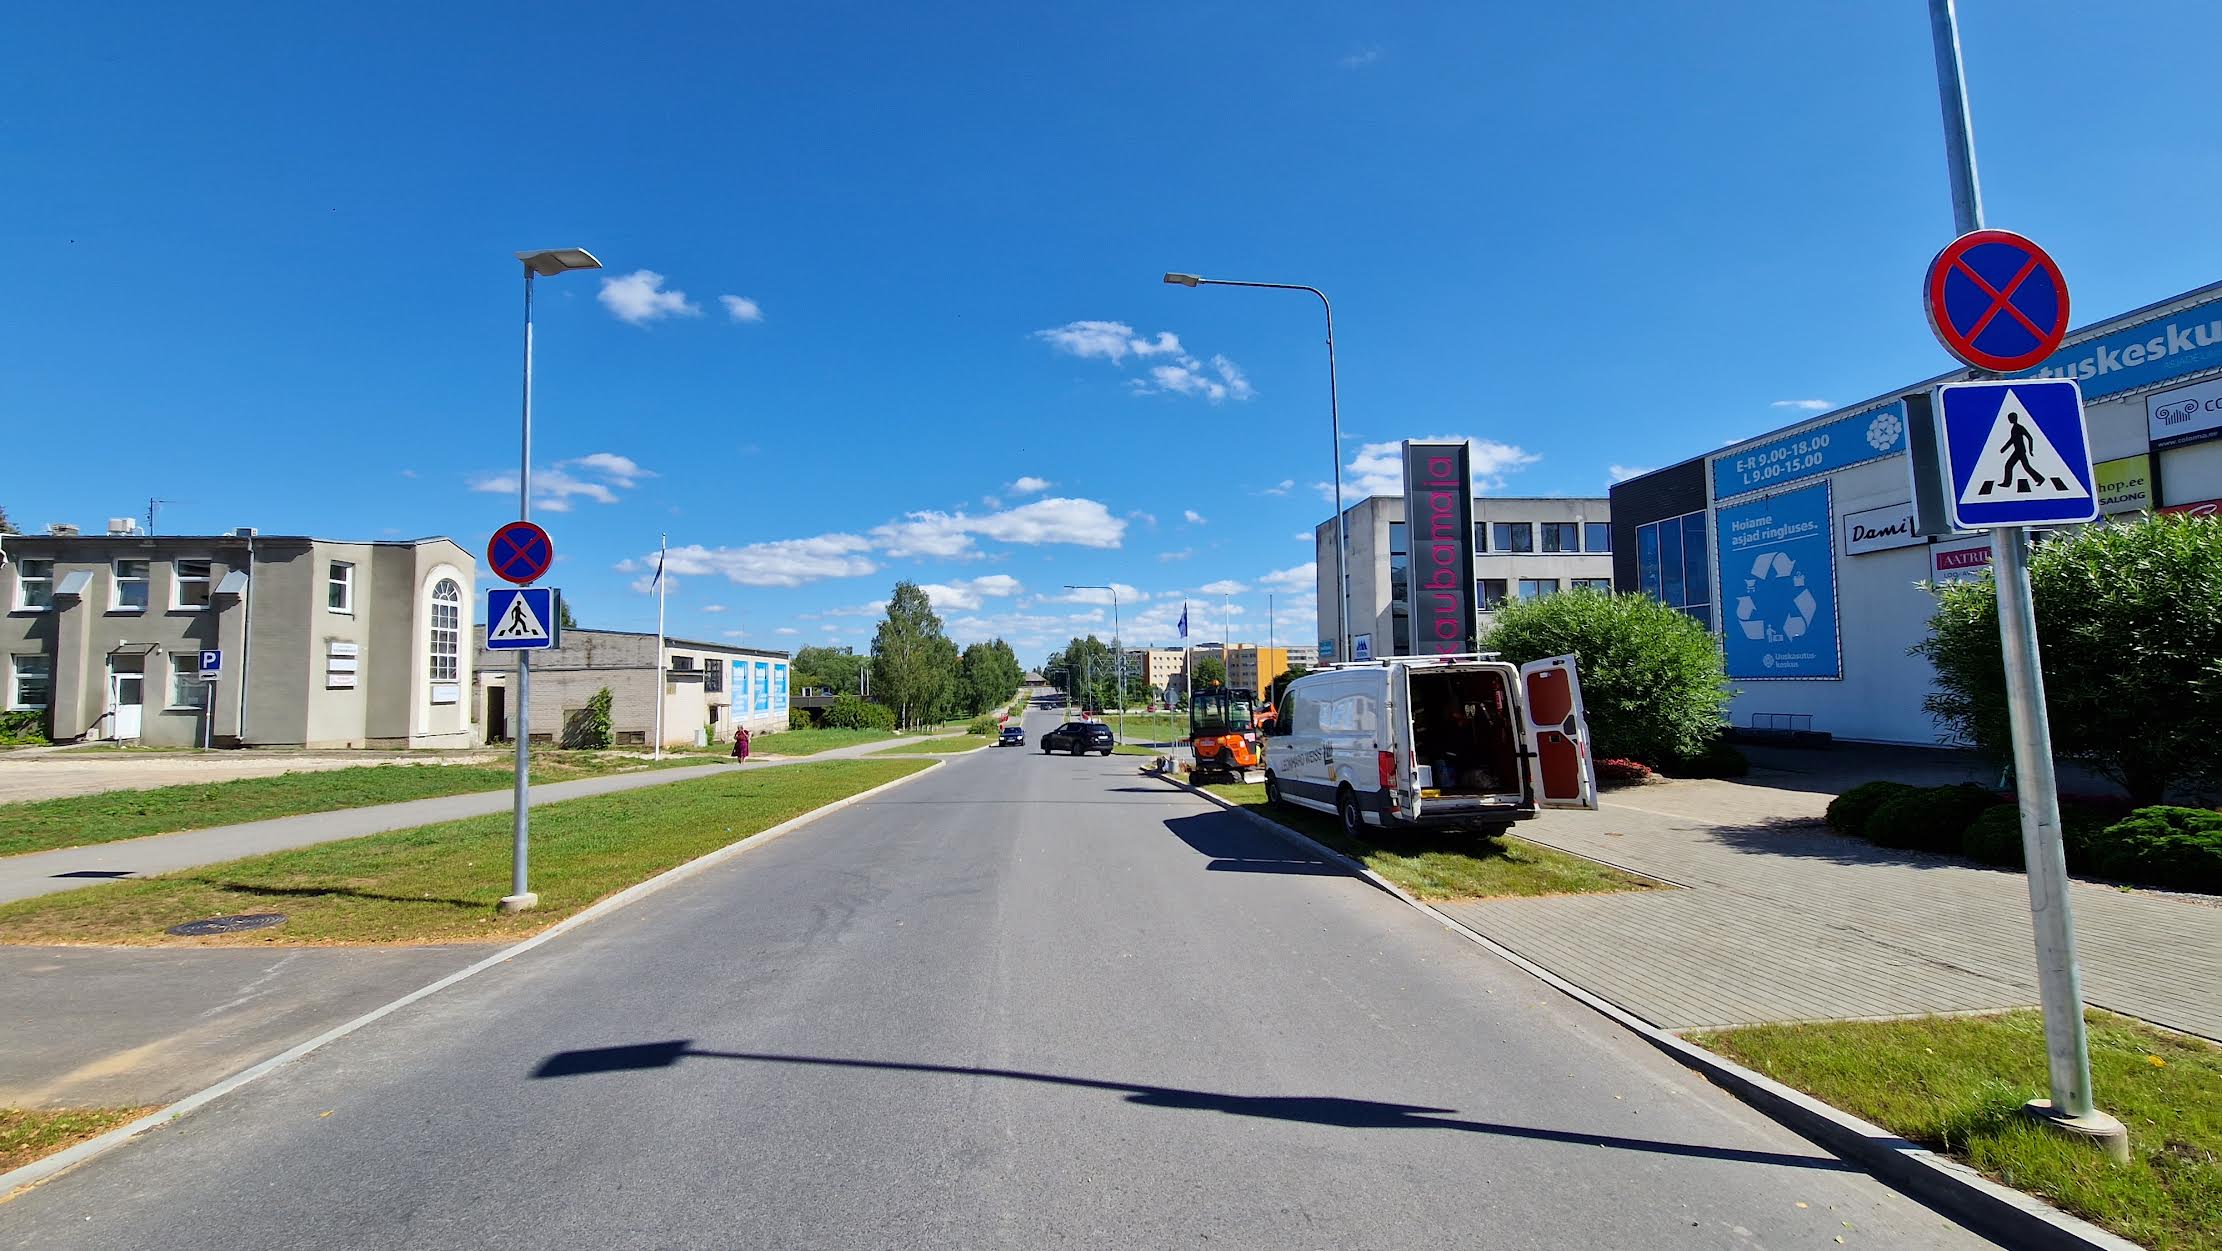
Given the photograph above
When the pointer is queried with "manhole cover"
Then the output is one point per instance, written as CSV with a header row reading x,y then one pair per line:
x,y
228,925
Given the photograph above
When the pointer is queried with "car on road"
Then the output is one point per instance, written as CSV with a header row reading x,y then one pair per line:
x,y
1079,738
1012,735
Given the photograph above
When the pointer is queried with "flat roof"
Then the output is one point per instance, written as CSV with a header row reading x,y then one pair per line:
x,y
672,640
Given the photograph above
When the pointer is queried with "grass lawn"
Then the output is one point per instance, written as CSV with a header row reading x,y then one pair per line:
x,y
1442,864
937,746
1150,727
439,883
27,1135
81,820
1956,1084
1136,749
811,742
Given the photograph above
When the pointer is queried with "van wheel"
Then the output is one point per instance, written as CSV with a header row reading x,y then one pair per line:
x,y
1346,807
1272,790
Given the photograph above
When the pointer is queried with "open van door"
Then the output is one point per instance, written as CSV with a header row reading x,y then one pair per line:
x,y
1557,734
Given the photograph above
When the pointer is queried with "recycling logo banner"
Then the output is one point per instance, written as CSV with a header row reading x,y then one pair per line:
x,y
1777,571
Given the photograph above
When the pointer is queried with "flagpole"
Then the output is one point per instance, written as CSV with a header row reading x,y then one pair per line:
x,y
663,541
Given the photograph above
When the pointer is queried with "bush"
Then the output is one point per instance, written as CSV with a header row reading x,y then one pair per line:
x,y
1995,838
2176,848
1651,677
1720,759
1929,818
589,727
849,712
985,725
23,729
1610,770
1849,811
801,719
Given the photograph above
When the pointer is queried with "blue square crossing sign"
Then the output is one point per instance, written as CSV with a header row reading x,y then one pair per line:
x,y
522,618
2016,453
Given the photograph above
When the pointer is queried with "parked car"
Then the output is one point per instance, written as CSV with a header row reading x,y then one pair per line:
x,y
1079,738
1462,742
1012,735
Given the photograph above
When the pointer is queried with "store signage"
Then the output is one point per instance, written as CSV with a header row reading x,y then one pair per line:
x,y
2125,485
1439,512
1960,562
2143,355
779,688
2185,415
1780,460
2202,508
1778,586
1879,529
762,686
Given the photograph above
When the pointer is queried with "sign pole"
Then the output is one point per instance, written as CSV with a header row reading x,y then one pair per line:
x,y
2059,979
520,898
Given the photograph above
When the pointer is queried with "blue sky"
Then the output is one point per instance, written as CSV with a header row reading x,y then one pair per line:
x,y
259,264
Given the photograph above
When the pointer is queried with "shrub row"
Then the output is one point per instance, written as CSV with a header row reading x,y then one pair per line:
x,y
985,724
2176,848
850,712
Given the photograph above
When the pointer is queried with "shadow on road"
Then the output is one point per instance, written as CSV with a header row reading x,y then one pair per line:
x,y
1306,1109
1235,847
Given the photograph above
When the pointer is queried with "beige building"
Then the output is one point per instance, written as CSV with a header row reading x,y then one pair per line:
x,y
1253,669
708,688
1158,666
324,643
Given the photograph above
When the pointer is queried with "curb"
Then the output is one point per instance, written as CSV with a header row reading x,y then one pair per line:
x,y
1997,1212
16,1181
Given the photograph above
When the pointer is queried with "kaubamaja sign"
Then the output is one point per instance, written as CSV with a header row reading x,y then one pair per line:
x,y
1879,529
1439,524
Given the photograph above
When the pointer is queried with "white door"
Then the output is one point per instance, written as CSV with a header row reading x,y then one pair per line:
x,y
1561,772
126,696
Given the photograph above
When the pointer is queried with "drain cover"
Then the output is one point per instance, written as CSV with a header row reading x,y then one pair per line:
x,y
228,925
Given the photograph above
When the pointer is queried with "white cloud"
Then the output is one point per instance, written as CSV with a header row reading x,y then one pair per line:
x,y
639,297
1304,577
1621,473
967,596
1188,377
1809,406
1281,488
1030,485
735,634
1224,586
786,630
1359,58
1082,522
1148,519
1191,516
992,501
1182,554
408,473
741,308
555,488
1097,595
1378,468
1113,341
618,471
1305,536
712,608
783,562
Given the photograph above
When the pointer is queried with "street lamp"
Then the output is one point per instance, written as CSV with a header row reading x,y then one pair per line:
x,y
1334,419
545,263
1118,650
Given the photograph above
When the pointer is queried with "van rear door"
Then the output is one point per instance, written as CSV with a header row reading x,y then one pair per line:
x,y
1397,739
1558,735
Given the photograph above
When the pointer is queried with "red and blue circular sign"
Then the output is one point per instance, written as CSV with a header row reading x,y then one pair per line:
x,y
520,552
1997,301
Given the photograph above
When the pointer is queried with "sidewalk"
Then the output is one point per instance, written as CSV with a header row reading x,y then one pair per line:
x,y
1780,919
68,868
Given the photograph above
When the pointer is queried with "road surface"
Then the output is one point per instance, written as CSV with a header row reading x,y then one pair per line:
x,y
1024,1002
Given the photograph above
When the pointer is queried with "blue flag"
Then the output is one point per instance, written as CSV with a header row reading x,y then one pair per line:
x,y
1184,620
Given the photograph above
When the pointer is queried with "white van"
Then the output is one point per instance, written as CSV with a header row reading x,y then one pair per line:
x,y
1463,742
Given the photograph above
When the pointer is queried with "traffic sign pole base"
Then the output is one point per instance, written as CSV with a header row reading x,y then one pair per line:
x,y
518,903
2098,1129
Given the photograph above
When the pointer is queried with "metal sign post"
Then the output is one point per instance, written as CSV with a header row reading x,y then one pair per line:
x,y
2059,981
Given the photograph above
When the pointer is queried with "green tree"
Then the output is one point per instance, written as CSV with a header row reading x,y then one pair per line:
x,y
834,668
564,620
1210,671
1281,684
990,677
7,526
914,665
1652,681
2129,619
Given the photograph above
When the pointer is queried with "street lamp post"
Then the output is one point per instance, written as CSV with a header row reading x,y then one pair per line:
x,y
1334,420
545,263
1118,650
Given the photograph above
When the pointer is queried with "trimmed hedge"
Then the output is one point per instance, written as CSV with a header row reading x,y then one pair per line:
x,y
2169,847
985,724
1930,818
852,713
1995,838
1849,811
1610,771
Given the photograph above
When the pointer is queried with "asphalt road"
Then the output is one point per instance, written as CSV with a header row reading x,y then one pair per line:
x,y
1025,1002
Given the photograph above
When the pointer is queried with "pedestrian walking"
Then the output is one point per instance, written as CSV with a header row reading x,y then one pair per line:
x,y
740,743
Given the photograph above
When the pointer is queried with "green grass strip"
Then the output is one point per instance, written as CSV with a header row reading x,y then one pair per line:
x,y
439,883
936,746
1956,1084
29,1134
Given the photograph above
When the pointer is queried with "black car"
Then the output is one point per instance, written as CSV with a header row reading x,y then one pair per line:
x,y
1079,738
1012,735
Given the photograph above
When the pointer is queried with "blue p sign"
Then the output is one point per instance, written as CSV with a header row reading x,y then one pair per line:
x,y
212,664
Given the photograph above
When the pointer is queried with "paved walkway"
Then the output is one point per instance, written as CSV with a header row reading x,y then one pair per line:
x,y
32,773
44,872
1780,919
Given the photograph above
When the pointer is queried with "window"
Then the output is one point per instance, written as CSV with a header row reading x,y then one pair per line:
x,y
1673,565
189,584
1481,536
131,587
1515,536
186,688
1397,540
682,664
713,677
31,681
339,587
1490,593
1537,588
1562,536
447,625
1598,536
1590,584
34,584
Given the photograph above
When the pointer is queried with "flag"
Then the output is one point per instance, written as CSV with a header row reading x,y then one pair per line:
x,y
656,581
1184,620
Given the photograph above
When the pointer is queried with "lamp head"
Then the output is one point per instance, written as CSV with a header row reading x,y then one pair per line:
x,y
1182,280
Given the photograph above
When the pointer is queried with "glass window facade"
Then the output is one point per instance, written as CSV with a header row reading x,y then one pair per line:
x,y
1673,565
1597,536
1537,588
131,587
1400,590
1561,536
1513,536
1490,593
447,627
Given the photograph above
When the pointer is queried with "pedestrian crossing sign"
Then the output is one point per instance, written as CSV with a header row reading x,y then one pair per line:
x,y
523,618
2016,453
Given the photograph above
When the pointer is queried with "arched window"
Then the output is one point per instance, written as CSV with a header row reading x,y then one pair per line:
x,y
447,627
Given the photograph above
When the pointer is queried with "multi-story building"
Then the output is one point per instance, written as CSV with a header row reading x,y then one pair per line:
x,y
1158,666
1252,668
323,643
1523,548
708,688
1305,654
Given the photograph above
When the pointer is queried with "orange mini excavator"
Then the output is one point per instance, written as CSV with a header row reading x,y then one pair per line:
x,y
1223,734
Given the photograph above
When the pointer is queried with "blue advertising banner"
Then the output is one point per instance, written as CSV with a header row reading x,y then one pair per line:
x,y
779,687
2160,349
762,686
1771,464
1778,587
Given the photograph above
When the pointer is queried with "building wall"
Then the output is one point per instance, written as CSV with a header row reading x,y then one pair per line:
x,y
565,678
1255,668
